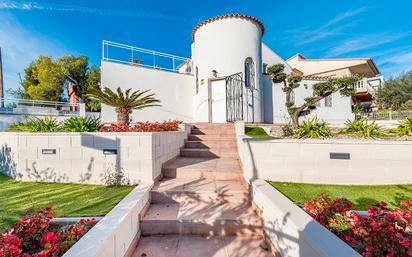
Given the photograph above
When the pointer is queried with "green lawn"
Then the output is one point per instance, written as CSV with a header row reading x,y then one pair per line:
x,y
257,132
360,196
67,199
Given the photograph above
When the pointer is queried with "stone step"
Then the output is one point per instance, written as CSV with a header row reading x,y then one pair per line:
x,y
212,131
213,125
223,138
198,218
217,144
208,153
194,190
203,168
202,246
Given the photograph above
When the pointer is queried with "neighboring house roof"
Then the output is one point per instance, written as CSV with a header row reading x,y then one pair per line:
x,y
361,66
313,77
229,16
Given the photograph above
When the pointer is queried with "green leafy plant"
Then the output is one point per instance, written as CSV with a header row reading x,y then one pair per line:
x,y
81,124
34,124
362,128
404,128
313,128
124,102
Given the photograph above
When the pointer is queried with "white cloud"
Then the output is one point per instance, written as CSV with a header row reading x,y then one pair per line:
x,y
395,64
332,27
362,42
27,6
20,47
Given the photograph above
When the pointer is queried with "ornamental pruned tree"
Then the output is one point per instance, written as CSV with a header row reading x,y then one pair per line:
x,y
345,86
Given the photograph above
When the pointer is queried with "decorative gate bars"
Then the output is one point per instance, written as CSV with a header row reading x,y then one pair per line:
x,y
234,97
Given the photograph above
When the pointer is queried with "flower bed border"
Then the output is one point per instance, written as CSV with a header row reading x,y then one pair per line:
x,y
292,230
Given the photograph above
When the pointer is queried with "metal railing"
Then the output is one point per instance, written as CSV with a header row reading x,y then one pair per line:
x,y
35,107
395,115
116,52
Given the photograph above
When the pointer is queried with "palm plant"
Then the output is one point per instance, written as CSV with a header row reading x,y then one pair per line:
x,y
124,102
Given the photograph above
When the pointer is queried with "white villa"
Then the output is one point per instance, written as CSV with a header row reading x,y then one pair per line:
x,y
225,78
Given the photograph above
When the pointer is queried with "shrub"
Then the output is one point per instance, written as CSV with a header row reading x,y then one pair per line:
x,y
32,236
141,127
81,124
383,232
313,128
34,124
362,128
404,128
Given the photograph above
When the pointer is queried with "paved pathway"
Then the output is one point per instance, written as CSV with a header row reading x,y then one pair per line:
x,y
201,208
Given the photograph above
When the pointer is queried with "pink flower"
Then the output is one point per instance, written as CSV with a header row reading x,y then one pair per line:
x,y
405,243
49,238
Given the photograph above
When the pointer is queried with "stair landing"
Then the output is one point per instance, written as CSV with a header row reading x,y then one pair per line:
x,y
201,246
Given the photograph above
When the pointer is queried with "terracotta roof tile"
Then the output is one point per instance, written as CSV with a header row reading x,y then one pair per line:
x,y
313,77
229,16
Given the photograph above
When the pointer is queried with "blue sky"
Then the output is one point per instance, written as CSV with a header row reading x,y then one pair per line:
x,y
379,29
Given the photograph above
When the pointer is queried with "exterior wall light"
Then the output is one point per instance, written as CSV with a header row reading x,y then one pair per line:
x,y
214,73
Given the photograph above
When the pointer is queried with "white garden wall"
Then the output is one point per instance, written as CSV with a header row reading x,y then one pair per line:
x,y
118,232
174,90
292,231
309,161
87,157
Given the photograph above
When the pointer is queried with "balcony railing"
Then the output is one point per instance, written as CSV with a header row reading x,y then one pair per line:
x,y
122,53
34,107
369,85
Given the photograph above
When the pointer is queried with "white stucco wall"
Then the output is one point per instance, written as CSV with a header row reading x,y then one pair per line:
x,y
340,111
293,232
308,161
80,157
223,45
118,232
174,90
270,58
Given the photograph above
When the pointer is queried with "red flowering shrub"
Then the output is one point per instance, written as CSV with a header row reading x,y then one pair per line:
x,y
31,236
383,232
141,127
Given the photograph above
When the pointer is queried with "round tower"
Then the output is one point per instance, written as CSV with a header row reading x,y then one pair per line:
x,y
223,46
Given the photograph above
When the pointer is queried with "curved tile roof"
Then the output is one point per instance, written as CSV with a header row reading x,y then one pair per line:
x,y
229,16
314,77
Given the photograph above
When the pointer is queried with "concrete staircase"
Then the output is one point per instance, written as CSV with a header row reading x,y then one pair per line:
x,y
200,207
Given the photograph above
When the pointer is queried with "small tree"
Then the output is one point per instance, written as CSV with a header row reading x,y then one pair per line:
x,y
124,102
345,85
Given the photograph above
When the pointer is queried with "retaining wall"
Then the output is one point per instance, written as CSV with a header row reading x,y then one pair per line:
x,y
328,161
293,232
118,232
87,157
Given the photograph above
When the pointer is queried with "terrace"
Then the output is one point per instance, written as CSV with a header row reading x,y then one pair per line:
x,y
121,53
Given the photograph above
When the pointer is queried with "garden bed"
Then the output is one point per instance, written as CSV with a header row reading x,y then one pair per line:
x,y
361,196
383,230
313,128
68,200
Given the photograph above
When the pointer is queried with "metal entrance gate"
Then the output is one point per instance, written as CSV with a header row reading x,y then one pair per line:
x,y
234,97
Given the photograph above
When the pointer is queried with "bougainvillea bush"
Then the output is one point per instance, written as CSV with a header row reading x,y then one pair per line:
x,y
33,236
381,233
141,126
